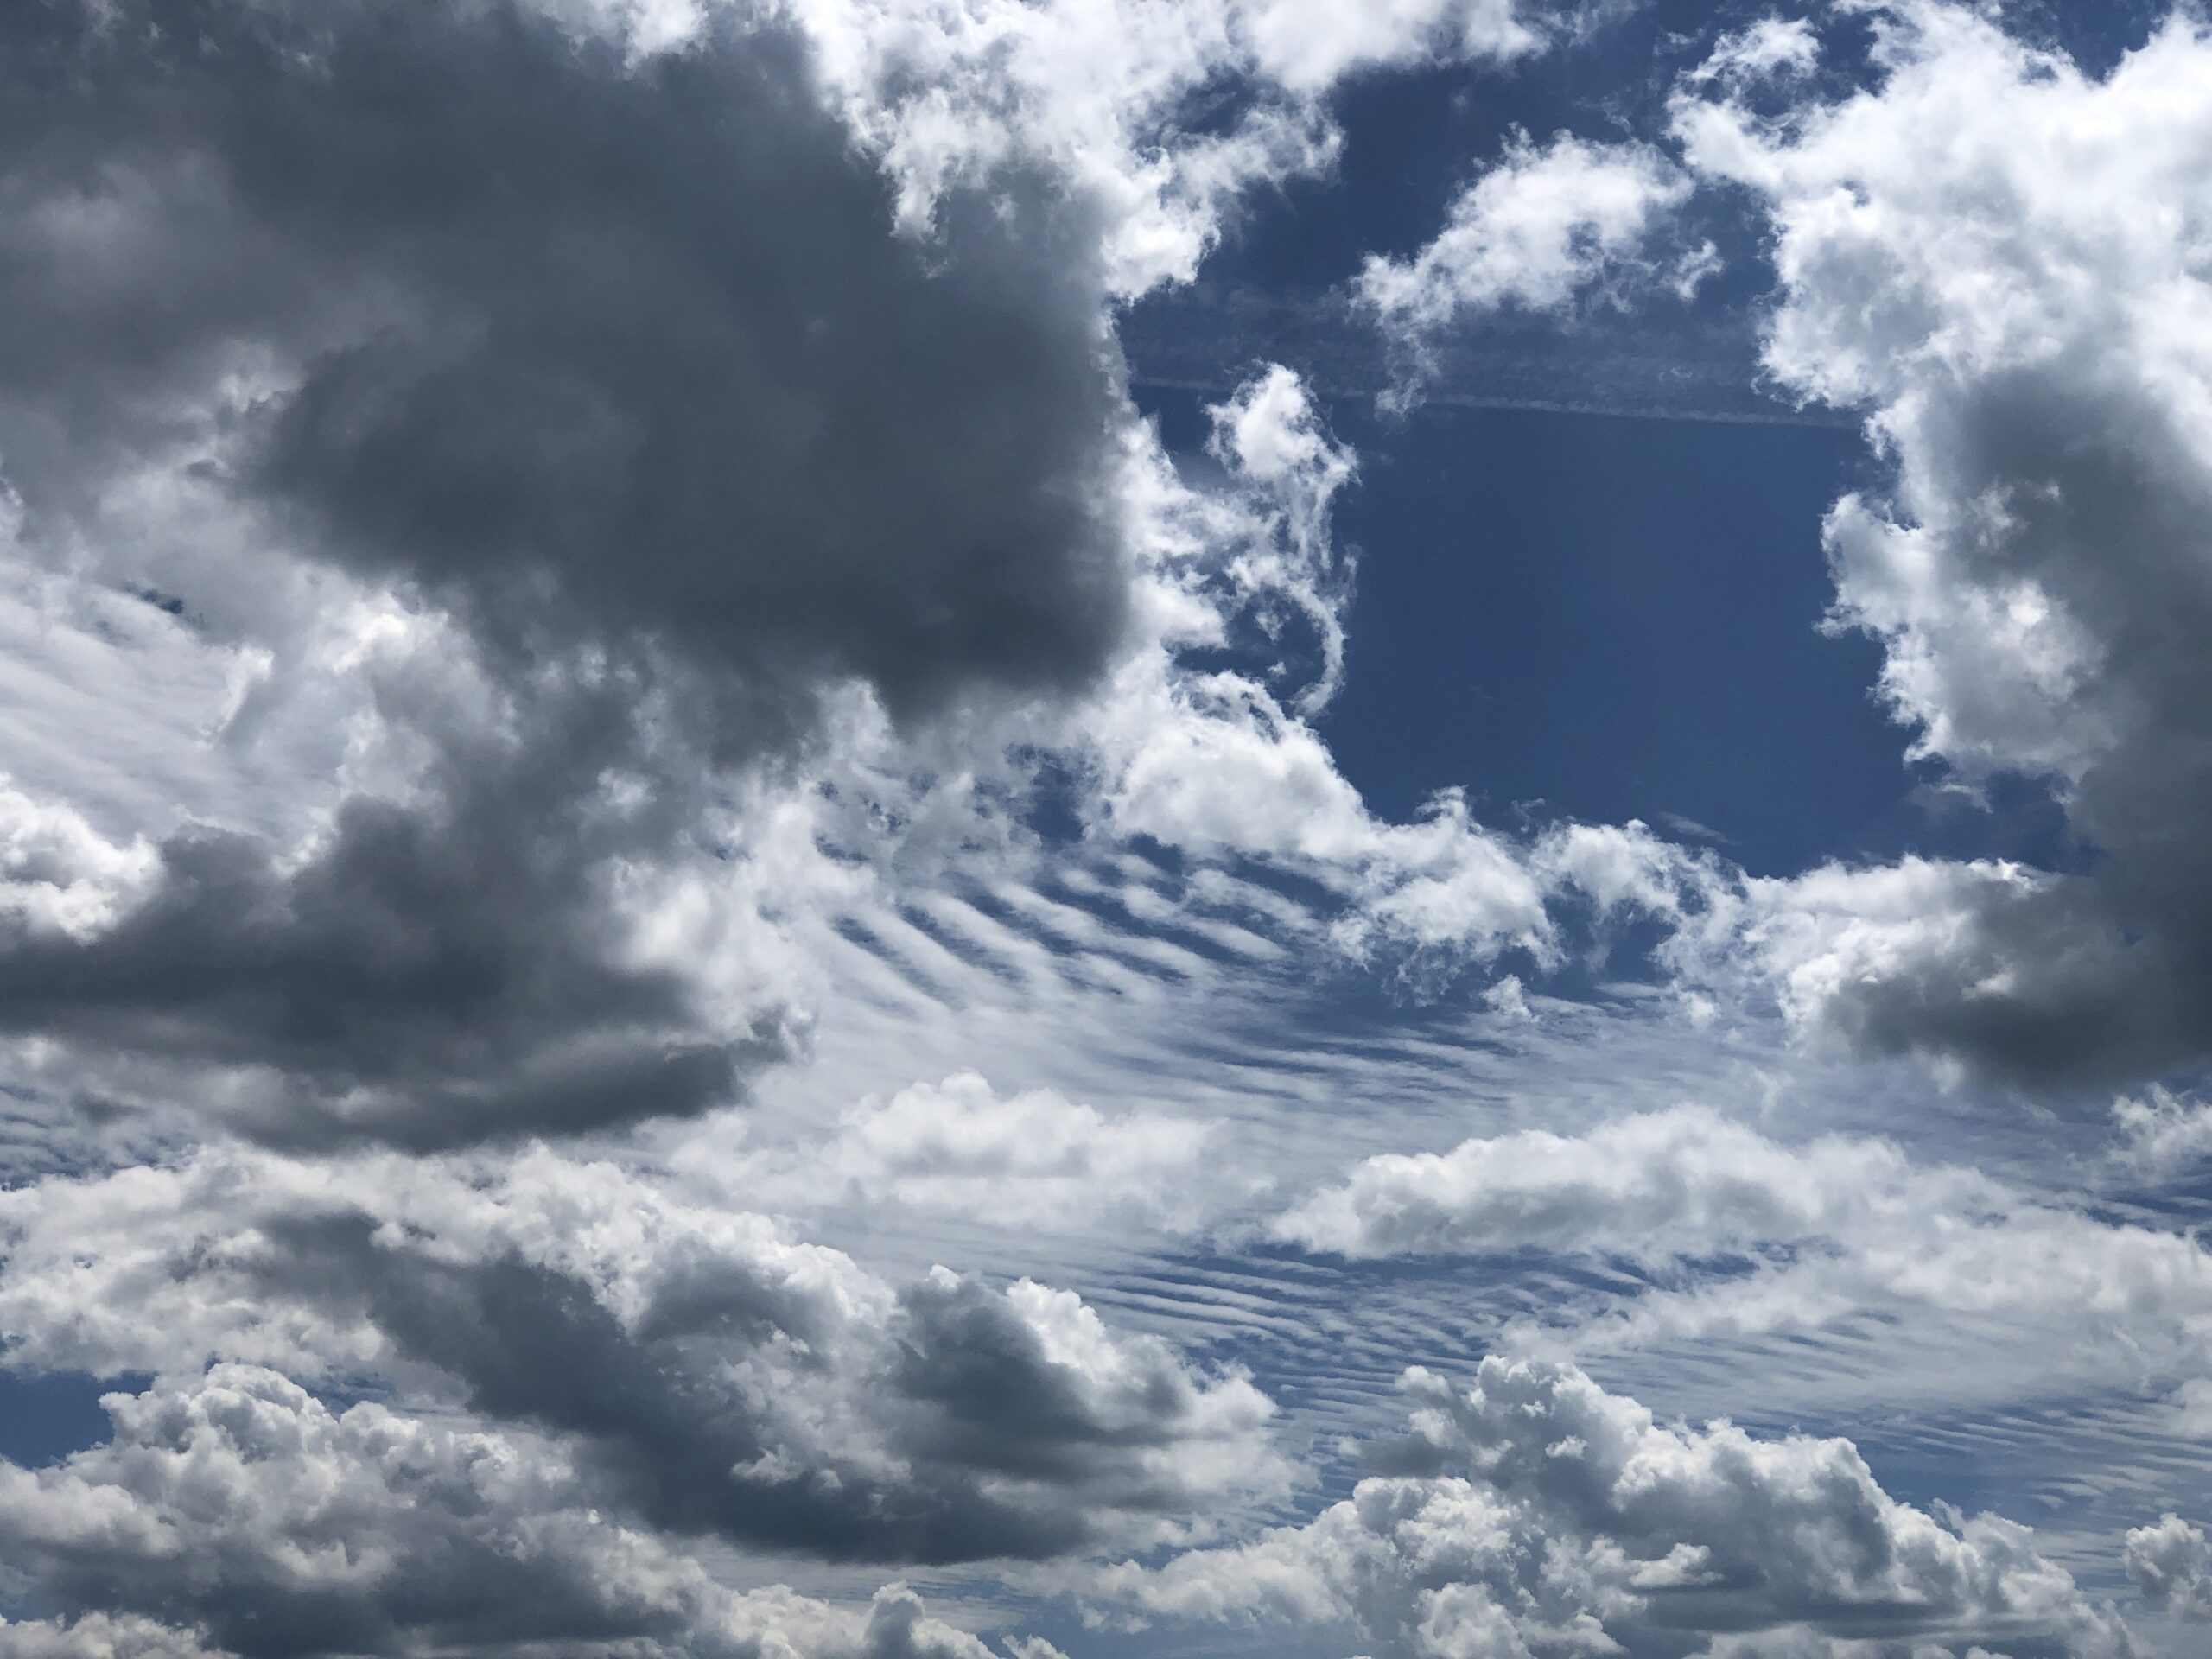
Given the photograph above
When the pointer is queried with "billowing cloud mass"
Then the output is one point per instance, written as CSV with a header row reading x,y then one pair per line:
x,y
1124,97
703,1368
1561,1519
566,403
2019,311
2172,1564
248,1513
611,359
697,957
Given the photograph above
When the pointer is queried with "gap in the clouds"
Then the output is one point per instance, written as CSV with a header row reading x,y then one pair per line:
x,y
1277,287
2096,34
1414,138
1616,618
47,1416
1588,616
1603,618
1600,618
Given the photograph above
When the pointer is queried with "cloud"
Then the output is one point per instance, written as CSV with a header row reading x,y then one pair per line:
x,y
577,359
2165,1132
1033,1159
700,1368
1982,252
610,364
1540,227
1124,100
1550,1517
1734,1239
1683,1182
1771,49
2171,1564
58,874
712,275
240,1505
1203,738
98,1636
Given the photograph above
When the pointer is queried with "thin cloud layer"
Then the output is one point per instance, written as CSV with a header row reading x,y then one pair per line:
x,y
1808,1239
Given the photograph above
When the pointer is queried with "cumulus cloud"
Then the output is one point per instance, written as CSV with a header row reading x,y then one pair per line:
x,y
2163,1132
1538,229
703,1369
58,874
240,1506
610,364
1122,99
2171,1564
1682,1182
1998,258
1549,1516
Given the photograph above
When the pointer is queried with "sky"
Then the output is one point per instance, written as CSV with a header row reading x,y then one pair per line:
x,y
1105,829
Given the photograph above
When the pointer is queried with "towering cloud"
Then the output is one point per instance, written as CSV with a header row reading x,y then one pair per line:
x,y
2001,259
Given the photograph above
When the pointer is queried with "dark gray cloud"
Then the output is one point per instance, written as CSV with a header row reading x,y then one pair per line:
x,y
617,362
999,1449
439,972
2096,505
591,351
238,1511
698,1370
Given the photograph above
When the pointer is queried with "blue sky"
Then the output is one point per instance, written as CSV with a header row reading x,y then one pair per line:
x,y
919,829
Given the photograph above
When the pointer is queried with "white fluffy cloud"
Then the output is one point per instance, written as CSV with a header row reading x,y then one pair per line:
x,y
1103,91
2171,1564
1539,228
1681,1182
1563,1520
2004,262
2164,1133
